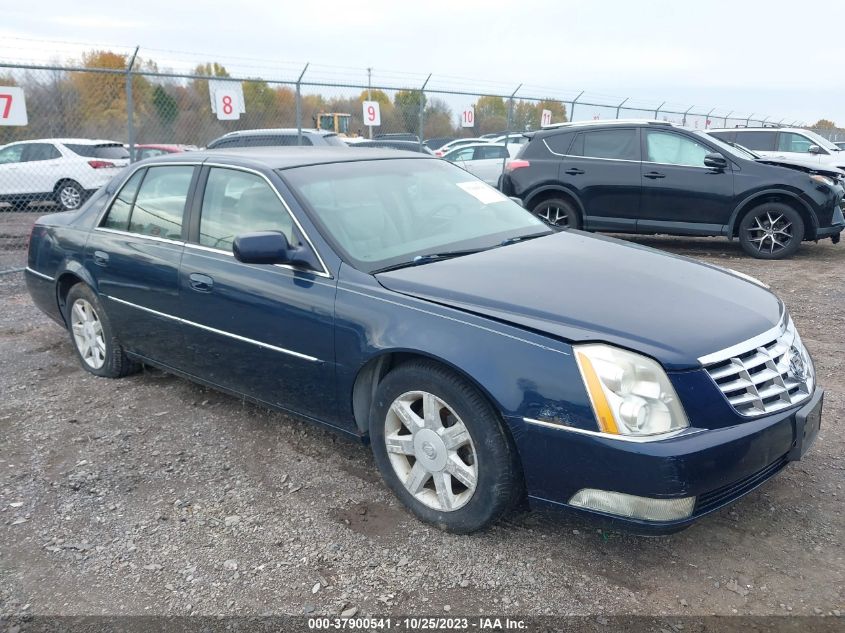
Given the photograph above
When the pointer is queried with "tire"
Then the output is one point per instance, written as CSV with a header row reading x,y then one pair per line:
x,y
558,212
92,335
69,195
420,465
772,230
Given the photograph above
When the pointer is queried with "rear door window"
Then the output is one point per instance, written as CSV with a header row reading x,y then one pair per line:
x,y
757,140
39,151
609,144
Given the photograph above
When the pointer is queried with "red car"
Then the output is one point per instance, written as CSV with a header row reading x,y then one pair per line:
x,y
149,150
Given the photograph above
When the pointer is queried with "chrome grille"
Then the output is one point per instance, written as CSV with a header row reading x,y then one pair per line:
x,y
765,376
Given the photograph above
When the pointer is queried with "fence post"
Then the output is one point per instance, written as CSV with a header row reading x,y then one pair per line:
x,y
508,128
684,122
299,106
657,112
707,119
572,109
130,124
725,124
748,120
619,107
422,110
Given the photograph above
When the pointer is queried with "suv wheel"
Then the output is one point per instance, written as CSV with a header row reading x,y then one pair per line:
x,y
771,231
559,213
70,195
442,448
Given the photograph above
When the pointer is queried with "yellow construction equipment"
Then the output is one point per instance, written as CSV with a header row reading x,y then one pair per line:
x,y
337,122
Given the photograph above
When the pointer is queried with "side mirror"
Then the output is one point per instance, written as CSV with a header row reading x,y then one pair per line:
x,y
271,247
814,149
716,161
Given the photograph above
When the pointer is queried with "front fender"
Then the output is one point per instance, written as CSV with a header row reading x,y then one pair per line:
x,y
524,374
758,196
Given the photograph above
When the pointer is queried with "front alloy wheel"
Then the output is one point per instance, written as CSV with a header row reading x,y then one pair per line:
x,y
442,448
431,451
771,231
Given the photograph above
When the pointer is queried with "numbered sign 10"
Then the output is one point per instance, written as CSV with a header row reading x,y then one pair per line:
x,y
546,118
12,106
372,113
227,105
468,117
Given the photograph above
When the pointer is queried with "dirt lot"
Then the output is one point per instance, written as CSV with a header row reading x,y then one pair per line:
x,y
150,495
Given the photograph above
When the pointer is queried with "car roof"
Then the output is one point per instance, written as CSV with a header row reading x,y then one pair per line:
x,y
281,131
287,157
600,122
480,144
756,129
71,141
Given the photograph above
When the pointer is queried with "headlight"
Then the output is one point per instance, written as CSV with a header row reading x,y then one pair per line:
x,y
823,179
631,394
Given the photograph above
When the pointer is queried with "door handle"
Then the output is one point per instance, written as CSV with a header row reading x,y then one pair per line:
x,y
101,258
654,175
574,171
200,282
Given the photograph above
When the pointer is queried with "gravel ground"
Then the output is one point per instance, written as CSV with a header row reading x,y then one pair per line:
x,y
151,495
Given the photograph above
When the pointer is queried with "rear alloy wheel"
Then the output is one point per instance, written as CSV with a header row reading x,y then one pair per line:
x,y
93,338
771,231
442,448
558,213
70,195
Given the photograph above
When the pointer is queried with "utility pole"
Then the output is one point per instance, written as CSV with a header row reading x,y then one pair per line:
x,y
369,98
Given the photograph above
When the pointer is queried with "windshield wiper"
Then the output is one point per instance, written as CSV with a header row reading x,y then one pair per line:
x,y
431,257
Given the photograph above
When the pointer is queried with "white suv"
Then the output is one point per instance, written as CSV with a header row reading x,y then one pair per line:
x,y
785,142
65,171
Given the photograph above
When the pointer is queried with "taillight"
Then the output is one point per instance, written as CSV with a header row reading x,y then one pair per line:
x,y
101,164
517,163
438,153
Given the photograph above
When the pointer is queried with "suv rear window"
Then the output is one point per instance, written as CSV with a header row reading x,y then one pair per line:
x,y
757,140
610,144
104,150
559,143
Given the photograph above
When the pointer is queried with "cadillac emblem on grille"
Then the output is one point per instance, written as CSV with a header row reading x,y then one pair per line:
x,y
797,368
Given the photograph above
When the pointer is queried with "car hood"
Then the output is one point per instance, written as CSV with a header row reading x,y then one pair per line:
x,y
804,165
579,287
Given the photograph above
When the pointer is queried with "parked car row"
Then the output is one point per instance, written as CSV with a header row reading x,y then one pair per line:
x,y
656,177
486,357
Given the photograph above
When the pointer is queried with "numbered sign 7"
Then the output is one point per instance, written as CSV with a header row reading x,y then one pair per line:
x,y
12,106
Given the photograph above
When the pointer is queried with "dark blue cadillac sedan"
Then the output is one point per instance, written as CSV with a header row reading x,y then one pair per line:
x,y
396,298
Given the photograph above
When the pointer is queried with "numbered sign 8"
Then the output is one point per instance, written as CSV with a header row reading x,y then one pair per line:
x,y
12,106
468,117
546,118
372,113
227,105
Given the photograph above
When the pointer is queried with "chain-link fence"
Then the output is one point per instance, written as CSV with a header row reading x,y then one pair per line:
x,y
67,130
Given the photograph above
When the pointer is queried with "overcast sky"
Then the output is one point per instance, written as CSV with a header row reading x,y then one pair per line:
x,y
772,58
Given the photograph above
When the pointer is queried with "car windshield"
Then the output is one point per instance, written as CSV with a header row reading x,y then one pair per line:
x,y
385,213
821,141
736,151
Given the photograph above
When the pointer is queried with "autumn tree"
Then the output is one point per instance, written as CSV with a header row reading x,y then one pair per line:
x,y
491,115
824,124
438,119
376,95
407,104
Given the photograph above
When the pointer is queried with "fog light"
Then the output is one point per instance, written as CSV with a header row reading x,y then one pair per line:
x,y
633,507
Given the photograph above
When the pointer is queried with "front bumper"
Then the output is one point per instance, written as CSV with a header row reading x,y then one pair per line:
x,y
717,466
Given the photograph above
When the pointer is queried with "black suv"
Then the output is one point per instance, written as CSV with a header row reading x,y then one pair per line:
x,y
655,177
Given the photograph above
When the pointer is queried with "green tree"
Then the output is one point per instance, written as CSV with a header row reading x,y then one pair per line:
x,y
165,105
407,104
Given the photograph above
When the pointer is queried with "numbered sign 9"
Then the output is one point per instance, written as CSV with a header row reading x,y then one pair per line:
x,y
12,106
227,105
468,117
372,113
546,118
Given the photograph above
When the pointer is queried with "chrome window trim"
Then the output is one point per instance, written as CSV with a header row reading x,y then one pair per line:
x,y
749,344
38,274
153,238
448,318
216,331
219,251
325,272
611,436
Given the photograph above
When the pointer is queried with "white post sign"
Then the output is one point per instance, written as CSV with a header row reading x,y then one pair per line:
x,y
468,117
546,118
372,113
227,99
12,106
